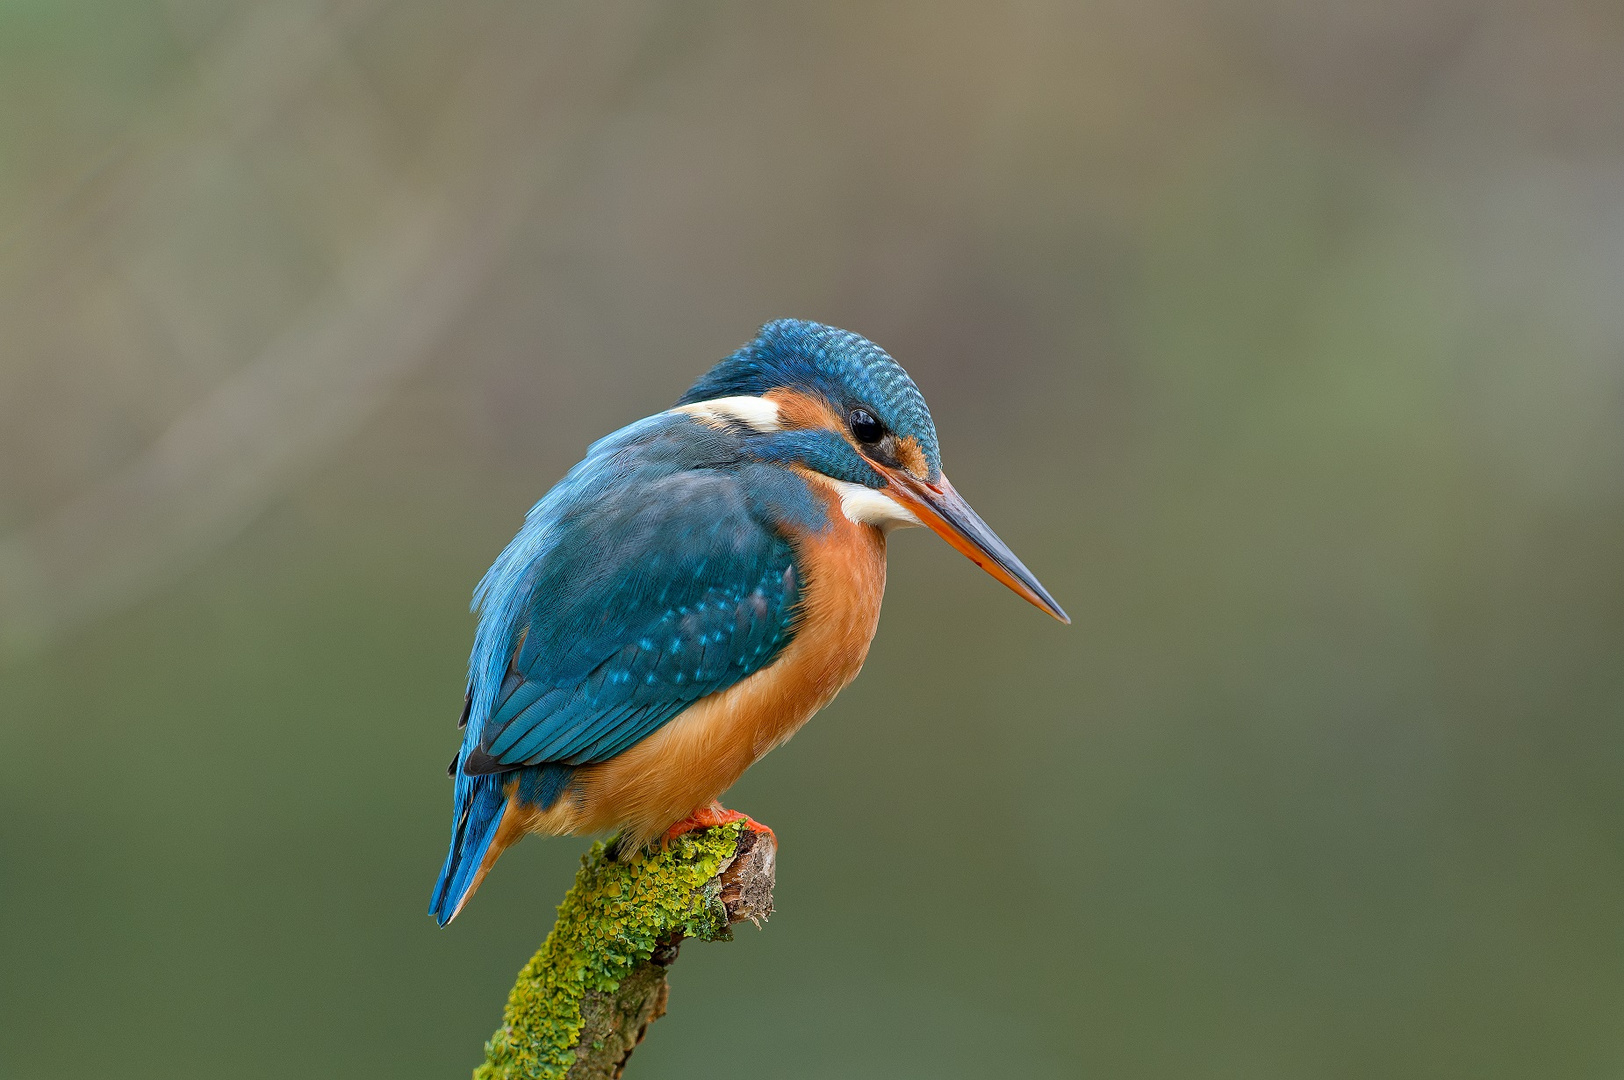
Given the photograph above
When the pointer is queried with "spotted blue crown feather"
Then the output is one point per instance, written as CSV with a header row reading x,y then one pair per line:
x,y
846,368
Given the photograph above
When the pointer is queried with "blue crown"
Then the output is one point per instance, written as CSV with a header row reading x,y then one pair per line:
x,y
847,369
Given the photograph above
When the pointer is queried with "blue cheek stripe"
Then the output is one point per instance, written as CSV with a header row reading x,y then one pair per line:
x,y
819,450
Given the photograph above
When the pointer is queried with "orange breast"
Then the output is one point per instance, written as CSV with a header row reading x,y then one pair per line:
x,y
699,754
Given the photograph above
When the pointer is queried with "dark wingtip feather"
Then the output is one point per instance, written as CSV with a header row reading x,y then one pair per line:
x,y
467,704
479,763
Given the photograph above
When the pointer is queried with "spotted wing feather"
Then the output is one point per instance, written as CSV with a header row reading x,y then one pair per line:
x,y
669,586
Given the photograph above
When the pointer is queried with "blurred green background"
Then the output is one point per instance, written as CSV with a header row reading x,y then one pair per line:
x,y
1283,340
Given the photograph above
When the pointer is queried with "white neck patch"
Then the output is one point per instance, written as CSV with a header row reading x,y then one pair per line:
x,y
869,506
755,413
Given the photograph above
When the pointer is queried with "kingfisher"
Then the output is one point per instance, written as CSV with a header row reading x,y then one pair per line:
x,y
689,595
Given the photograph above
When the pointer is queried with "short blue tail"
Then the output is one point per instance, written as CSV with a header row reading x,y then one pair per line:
x,y
477,812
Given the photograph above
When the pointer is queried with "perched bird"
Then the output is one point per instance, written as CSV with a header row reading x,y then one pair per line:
x,y
691,593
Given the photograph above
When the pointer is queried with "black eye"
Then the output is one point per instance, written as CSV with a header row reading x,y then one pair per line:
x,y
865,427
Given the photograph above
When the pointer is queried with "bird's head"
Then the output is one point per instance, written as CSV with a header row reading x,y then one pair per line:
x,y
833,403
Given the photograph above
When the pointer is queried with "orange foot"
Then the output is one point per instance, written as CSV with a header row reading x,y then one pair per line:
x,y
714,814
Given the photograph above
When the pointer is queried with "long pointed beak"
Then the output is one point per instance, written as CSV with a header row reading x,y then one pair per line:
x,y
944,512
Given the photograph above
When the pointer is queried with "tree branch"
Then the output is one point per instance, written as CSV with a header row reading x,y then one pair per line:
x,y
585,1000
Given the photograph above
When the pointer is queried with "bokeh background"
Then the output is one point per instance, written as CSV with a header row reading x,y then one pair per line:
x,y
1283,339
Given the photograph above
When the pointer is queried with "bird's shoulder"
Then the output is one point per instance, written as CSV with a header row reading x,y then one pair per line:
x,y
665,485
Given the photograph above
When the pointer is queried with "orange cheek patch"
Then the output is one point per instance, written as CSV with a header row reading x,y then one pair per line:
x,y
796,410
911,457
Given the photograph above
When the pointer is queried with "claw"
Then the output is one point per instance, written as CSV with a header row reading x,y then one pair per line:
x,y
707,817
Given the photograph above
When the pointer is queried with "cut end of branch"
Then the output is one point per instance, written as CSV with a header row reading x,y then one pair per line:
x,y
747,882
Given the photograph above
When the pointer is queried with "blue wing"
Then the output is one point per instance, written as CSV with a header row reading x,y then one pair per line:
x,y
653,575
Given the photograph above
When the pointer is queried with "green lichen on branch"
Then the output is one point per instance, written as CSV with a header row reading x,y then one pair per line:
x,y
609,929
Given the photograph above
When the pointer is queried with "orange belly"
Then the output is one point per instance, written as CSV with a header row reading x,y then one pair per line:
x,y
699,754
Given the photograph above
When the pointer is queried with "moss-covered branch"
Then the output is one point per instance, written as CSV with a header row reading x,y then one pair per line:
x,y
585,999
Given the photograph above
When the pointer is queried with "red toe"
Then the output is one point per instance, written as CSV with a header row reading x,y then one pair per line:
x,y
715,814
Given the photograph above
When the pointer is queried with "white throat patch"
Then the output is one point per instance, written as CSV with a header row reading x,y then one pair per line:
x,y
755,413
868,506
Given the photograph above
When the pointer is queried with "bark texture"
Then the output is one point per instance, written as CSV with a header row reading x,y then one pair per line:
x,y
586,999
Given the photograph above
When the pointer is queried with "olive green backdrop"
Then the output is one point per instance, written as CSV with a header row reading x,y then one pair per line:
x,y
1283,340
